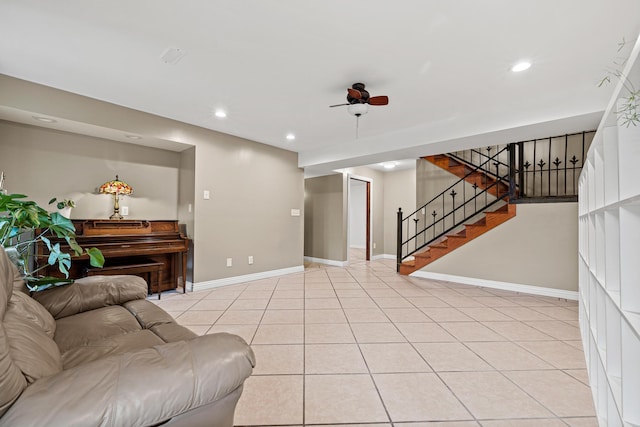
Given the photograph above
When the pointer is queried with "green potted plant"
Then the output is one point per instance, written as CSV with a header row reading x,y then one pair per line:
x,y
24,223
64,206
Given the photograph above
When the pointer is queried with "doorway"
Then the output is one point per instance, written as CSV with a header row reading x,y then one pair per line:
x,y
359,242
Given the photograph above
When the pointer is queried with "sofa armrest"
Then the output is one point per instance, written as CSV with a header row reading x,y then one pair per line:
x,y
142,388
90,293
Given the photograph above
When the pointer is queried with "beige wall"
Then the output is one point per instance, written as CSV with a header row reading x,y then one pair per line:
x,y
253,186
325,225
399,192
538,247
43,163
186,189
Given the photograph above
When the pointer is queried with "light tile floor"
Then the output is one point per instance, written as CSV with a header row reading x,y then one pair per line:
x,y
364,345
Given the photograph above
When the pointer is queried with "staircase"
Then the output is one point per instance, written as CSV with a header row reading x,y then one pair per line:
x,y
464,171
484,210
453,241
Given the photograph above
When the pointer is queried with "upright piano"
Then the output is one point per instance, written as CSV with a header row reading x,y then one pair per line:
x,y
129,242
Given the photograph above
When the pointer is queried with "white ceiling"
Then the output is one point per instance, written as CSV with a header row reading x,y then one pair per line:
x,y
276,65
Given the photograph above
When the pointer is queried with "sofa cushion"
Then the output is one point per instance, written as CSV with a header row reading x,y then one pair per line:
x,y
12,382
33,312
91,327
33,352
90,293
114,345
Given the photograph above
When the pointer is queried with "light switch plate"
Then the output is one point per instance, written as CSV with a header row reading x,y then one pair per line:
x,y
124,210
206,195
295,212
229,262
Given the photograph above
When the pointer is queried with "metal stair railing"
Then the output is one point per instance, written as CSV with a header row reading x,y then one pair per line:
x,y
447,215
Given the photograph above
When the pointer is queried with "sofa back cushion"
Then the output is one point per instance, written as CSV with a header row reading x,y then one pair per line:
x,y
12,382
30,338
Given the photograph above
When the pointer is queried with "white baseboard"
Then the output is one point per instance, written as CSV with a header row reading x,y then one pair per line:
x,y
357,247
209,284
383,256
331,262
515,287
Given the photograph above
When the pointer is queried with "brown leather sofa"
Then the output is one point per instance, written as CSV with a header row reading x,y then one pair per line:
x,y
97,353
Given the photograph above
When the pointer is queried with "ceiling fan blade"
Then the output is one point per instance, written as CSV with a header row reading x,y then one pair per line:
x,y
378,100
338,105
354,93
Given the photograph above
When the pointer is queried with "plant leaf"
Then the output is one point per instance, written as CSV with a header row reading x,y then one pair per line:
x,y
96,258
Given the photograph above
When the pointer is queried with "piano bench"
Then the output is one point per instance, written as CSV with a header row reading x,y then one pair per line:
x,y
151,269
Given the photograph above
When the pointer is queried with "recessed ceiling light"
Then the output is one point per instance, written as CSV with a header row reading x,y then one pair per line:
x,y
389,165
521,66
44,119
133,136
290,137
220,114
172,55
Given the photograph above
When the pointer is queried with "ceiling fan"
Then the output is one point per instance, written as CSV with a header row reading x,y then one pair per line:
x,y
358,100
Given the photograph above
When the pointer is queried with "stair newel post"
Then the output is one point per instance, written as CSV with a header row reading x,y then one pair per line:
x,y
415,221
399,241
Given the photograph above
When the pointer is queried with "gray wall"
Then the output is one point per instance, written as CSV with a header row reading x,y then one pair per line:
x,y
43,163
538,247
399,192
253,186
325,232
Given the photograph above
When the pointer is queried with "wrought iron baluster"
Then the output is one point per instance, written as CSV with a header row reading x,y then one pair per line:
x,y
541,163
453,202
464,199
573,161
498,180
475,197
434,214
535,144
549,163
557,162
566,148
526,176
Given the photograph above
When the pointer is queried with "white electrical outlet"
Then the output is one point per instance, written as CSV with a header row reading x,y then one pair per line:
x,y
124,210
295,212
250,259
206,195
229,262
190,208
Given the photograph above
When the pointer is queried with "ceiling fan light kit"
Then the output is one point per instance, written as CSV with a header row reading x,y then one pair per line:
x,y
358,109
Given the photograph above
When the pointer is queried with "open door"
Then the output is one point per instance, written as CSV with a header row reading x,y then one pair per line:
x,y
359,219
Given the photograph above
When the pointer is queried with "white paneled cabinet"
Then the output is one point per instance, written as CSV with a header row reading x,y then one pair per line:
x,y
609,263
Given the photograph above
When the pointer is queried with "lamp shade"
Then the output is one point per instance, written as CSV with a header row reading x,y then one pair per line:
x,y
116,187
